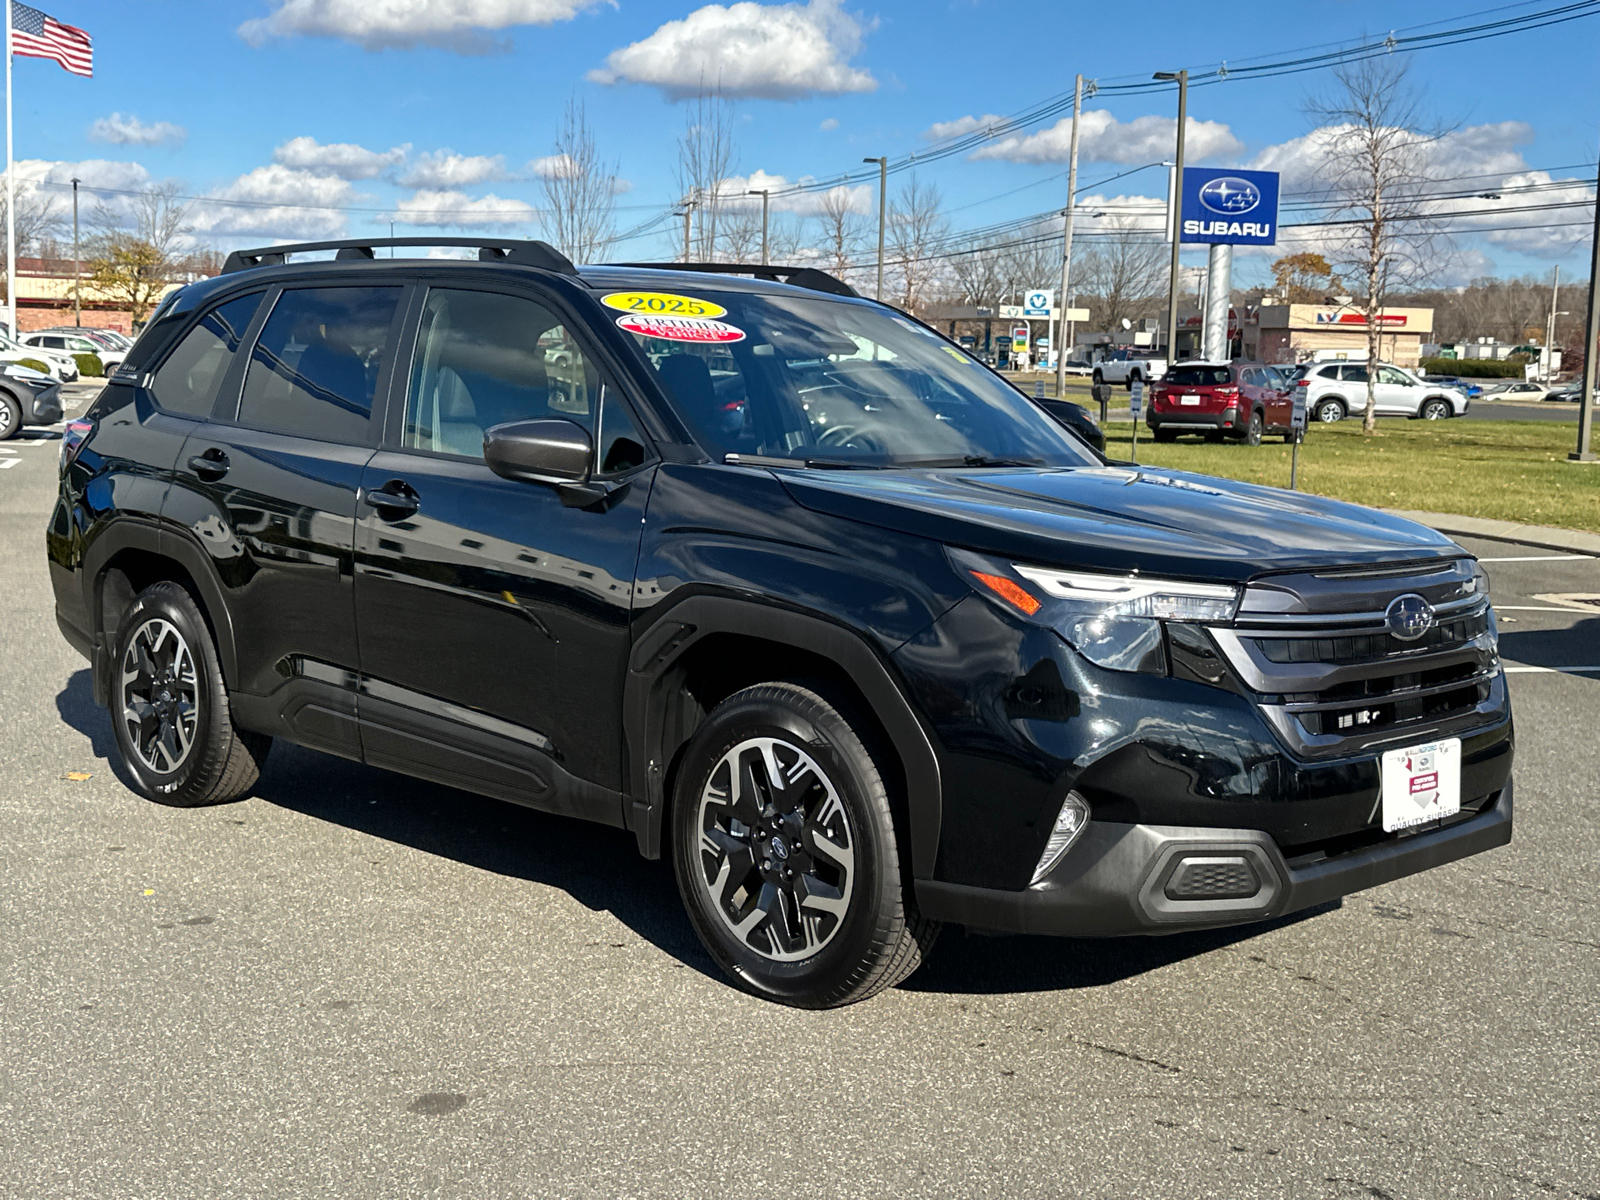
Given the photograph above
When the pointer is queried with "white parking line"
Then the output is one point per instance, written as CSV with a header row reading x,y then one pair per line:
x,y
1539,558
8,462
1551,670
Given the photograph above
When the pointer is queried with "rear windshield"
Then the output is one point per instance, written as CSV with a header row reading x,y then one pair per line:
x,y
1198,376
834,383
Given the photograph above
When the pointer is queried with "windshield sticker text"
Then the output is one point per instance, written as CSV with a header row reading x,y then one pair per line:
x,y
681,329
663,304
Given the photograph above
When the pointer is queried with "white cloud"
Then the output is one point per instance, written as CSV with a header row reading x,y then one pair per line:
x,y
51,182
1120,214
445,209
554,166
275,202
121,129
1103,138
829,124
459,25
733,194
961,126
344,159
769,52
447,169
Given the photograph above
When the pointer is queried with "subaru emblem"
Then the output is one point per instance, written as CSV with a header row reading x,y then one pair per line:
x,y
1230,195
1409,617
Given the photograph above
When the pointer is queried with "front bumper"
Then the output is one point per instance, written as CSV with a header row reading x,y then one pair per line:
x,y
1117,880
46,406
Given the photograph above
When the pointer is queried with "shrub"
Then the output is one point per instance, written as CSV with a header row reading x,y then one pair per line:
x,y
89,365
42,368
1476,368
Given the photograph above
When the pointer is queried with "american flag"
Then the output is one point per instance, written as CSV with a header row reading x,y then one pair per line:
x,y
34,35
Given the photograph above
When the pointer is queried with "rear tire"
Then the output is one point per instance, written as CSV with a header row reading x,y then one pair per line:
x,y
169,707
1331,412
10,416
1252,433
1098,378
786,853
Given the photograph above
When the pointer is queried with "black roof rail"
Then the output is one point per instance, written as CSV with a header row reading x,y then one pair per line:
x,y
806,277
509,250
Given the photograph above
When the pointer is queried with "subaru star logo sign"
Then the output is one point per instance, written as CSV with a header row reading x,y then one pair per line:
x,y
1409,617
1230,195
1233,208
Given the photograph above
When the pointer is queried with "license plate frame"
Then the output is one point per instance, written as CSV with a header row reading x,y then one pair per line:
x,y
1189,400
1420,784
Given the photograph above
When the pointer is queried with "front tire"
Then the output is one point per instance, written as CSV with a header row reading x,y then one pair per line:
x,y
1436,410
169,707
786,853
10,416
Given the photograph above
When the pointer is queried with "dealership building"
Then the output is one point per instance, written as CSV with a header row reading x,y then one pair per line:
x,y
1296,333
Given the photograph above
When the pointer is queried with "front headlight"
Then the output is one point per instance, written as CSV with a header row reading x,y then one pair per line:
x,y
1112,620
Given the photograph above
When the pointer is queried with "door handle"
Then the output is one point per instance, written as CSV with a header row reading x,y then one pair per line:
x,y
210,466
393,500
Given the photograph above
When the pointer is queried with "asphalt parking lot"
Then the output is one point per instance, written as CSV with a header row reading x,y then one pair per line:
x,y
357,985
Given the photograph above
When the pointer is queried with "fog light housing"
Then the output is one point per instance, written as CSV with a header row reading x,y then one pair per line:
x,y
1071,821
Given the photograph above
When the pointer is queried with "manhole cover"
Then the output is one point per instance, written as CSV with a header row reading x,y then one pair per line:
x,y
1578,601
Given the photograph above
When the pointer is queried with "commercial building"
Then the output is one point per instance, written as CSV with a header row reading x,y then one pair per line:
x,y
1296,333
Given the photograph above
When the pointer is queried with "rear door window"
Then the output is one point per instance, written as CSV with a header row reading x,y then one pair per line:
x,y
315,365
187,381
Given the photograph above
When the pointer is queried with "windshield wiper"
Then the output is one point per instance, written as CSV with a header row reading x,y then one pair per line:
x,y
972,460
825,464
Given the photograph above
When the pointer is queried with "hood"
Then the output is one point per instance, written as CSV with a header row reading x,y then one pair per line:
x,y
1122,519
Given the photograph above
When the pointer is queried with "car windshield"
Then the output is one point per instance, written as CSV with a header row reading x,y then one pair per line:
x,y
834,383
1198,376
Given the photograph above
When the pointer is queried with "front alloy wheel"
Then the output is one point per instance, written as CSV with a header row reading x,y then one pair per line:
x,y
1435,410
160,696
777,854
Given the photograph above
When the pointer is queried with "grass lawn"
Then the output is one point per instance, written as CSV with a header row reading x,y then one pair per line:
x,y
1505,470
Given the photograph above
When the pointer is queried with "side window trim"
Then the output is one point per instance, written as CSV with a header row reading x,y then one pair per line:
x,y
233,379
199,314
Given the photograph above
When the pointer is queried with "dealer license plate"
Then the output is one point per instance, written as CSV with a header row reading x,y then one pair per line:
x,y
1421,784
1188,399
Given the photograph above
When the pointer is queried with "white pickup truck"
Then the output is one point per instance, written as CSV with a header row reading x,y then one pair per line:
x,y
1124,364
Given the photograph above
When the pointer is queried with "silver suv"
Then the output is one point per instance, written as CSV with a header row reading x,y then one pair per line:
x,y
1335,390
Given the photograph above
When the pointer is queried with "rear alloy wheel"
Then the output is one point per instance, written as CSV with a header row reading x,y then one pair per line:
x,y
786,853
1435,410
170,709
1330,412
10,416
1098,379
1252,433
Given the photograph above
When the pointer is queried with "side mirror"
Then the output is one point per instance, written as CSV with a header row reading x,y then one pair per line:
x,y
549,450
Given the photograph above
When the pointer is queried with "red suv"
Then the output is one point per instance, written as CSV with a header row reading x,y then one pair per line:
x,y
1240,400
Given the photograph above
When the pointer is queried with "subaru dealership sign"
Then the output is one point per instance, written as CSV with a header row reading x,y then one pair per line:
x,y
1237,208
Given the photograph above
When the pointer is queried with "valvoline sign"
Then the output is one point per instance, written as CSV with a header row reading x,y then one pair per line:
x,y
1238,208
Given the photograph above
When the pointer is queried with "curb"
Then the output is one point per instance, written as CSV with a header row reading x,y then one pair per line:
x,y
1545,537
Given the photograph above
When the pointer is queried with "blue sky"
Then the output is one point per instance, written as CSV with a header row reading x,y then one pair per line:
x,y
817,87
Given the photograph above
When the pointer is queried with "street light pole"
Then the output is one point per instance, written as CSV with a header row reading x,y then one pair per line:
x,y
883,209
1175,204
765,197
1066,238
1591,336
688,211
77,270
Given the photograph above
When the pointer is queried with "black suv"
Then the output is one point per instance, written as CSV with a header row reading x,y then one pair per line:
x,y
778,579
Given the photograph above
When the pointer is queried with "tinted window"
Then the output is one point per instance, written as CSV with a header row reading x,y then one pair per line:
x,y
187,382
1198,376
1353,374
484,359
621,447
1396,376
315,365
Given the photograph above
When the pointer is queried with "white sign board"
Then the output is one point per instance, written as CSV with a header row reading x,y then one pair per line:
x,y
1136,398
1038,302
1297,415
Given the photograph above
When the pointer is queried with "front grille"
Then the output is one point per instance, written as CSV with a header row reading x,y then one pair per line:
x,y
1340,683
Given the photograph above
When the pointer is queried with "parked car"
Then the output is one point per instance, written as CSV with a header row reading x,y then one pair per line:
x,y
58,364
1524,389
1335,390
1128,366
1240,400
1076,418
793,589
27,397
1468,387
111,339
1571,394
76,343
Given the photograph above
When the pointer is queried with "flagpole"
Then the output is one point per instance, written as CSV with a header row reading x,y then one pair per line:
x,y
11,195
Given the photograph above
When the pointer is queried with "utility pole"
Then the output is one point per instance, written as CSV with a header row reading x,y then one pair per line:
x,y
883,209
765,197
391,238
1175,206
686,214
1066,238
1591,336
77,270
1550,329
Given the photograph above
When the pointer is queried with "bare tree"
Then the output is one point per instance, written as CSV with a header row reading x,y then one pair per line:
x,y
1124,271
579,190
135,265
842,231
1377,167
38,219
740,229
706,158
918,229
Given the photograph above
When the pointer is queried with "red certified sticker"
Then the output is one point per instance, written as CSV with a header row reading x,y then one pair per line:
x,y
681,329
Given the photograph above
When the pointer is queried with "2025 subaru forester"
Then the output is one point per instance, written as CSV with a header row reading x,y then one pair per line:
x,y
778,579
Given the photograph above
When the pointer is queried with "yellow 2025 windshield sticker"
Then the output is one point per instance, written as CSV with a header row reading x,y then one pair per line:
x,y
662,304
